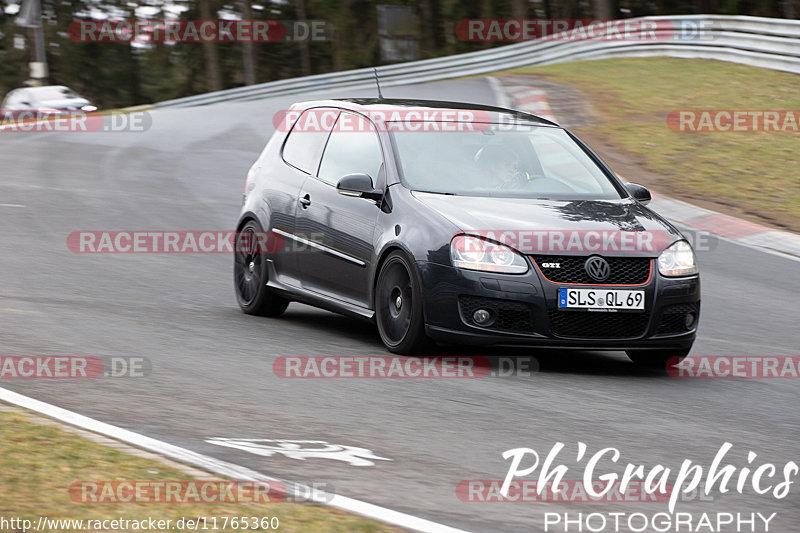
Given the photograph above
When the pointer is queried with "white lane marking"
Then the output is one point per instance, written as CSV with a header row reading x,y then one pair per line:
x,y
223,468
294,449
11,205
500,94
23,311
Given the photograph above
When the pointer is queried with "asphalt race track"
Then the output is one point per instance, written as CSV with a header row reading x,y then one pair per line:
x,y
212,365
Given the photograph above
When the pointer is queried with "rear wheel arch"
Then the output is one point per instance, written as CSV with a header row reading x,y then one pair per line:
x,y
247,217
250,273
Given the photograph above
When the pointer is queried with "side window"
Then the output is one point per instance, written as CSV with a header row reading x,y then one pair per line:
x,y
353,148
303,147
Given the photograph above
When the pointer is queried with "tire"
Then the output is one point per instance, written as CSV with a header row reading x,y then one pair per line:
x,y
250,275
657,358
398,306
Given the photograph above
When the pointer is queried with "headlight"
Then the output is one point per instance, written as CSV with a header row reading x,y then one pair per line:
x,y
477,254
89,108
677,260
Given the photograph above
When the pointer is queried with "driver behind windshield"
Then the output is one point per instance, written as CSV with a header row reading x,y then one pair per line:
x,y
501,165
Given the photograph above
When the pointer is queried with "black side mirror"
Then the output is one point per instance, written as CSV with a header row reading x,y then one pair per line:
x,y
359,185
639,192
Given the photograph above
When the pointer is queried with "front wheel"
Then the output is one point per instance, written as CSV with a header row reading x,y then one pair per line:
x,y
657,358
398,306
250,274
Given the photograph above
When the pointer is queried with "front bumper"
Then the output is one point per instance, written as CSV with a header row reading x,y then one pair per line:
x,y
526,312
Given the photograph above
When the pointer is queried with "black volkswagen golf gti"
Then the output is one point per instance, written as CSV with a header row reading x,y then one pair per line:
x,y
461,223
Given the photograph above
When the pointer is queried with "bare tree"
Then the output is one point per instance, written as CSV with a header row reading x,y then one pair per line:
x,y
248,57
213,75
603,9
305,52
519,9
791,9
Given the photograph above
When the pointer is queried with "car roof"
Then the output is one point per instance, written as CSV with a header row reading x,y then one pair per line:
x,y
495,114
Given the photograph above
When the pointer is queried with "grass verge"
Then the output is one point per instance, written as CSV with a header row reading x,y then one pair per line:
x,y
39,462
757,173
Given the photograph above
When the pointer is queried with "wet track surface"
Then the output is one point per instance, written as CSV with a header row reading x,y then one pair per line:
x,y
212,365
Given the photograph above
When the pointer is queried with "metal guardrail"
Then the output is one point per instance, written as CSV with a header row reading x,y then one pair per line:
x,y
754,41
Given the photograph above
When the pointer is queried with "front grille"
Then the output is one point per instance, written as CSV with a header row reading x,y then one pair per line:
x,y
508,316
624,270
673,319
587,324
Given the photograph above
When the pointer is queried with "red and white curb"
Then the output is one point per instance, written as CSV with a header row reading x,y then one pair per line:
x,y
531,100
222,468
534,100
731,228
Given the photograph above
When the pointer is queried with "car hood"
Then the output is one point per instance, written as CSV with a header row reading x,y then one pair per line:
x,y
65,103
493,216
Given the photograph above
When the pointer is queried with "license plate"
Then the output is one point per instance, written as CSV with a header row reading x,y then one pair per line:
x,y
600,299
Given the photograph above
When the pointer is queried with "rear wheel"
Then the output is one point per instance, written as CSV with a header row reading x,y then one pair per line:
x,y
250,274
398,306
657,358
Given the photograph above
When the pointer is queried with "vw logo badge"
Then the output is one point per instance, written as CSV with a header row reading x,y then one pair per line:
x,y
597,268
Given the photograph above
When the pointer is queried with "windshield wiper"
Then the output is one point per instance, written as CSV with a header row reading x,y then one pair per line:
x,y
436,192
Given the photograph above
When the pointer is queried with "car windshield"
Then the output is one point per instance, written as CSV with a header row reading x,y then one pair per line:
x,y
499,160
44,94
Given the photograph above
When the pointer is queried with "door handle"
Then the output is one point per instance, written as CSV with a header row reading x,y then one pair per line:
x,y
305,201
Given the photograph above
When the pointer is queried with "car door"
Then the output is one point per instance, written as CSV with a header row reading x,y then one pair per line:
x,y
299,158
339,230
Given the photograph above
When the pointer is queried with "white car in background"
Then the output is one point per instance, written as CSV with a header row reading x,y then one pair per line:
x,y
46,99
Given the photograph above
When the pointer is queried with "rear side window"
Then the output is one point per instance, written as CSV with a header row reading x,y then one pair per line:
x,y
351,150
304,144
